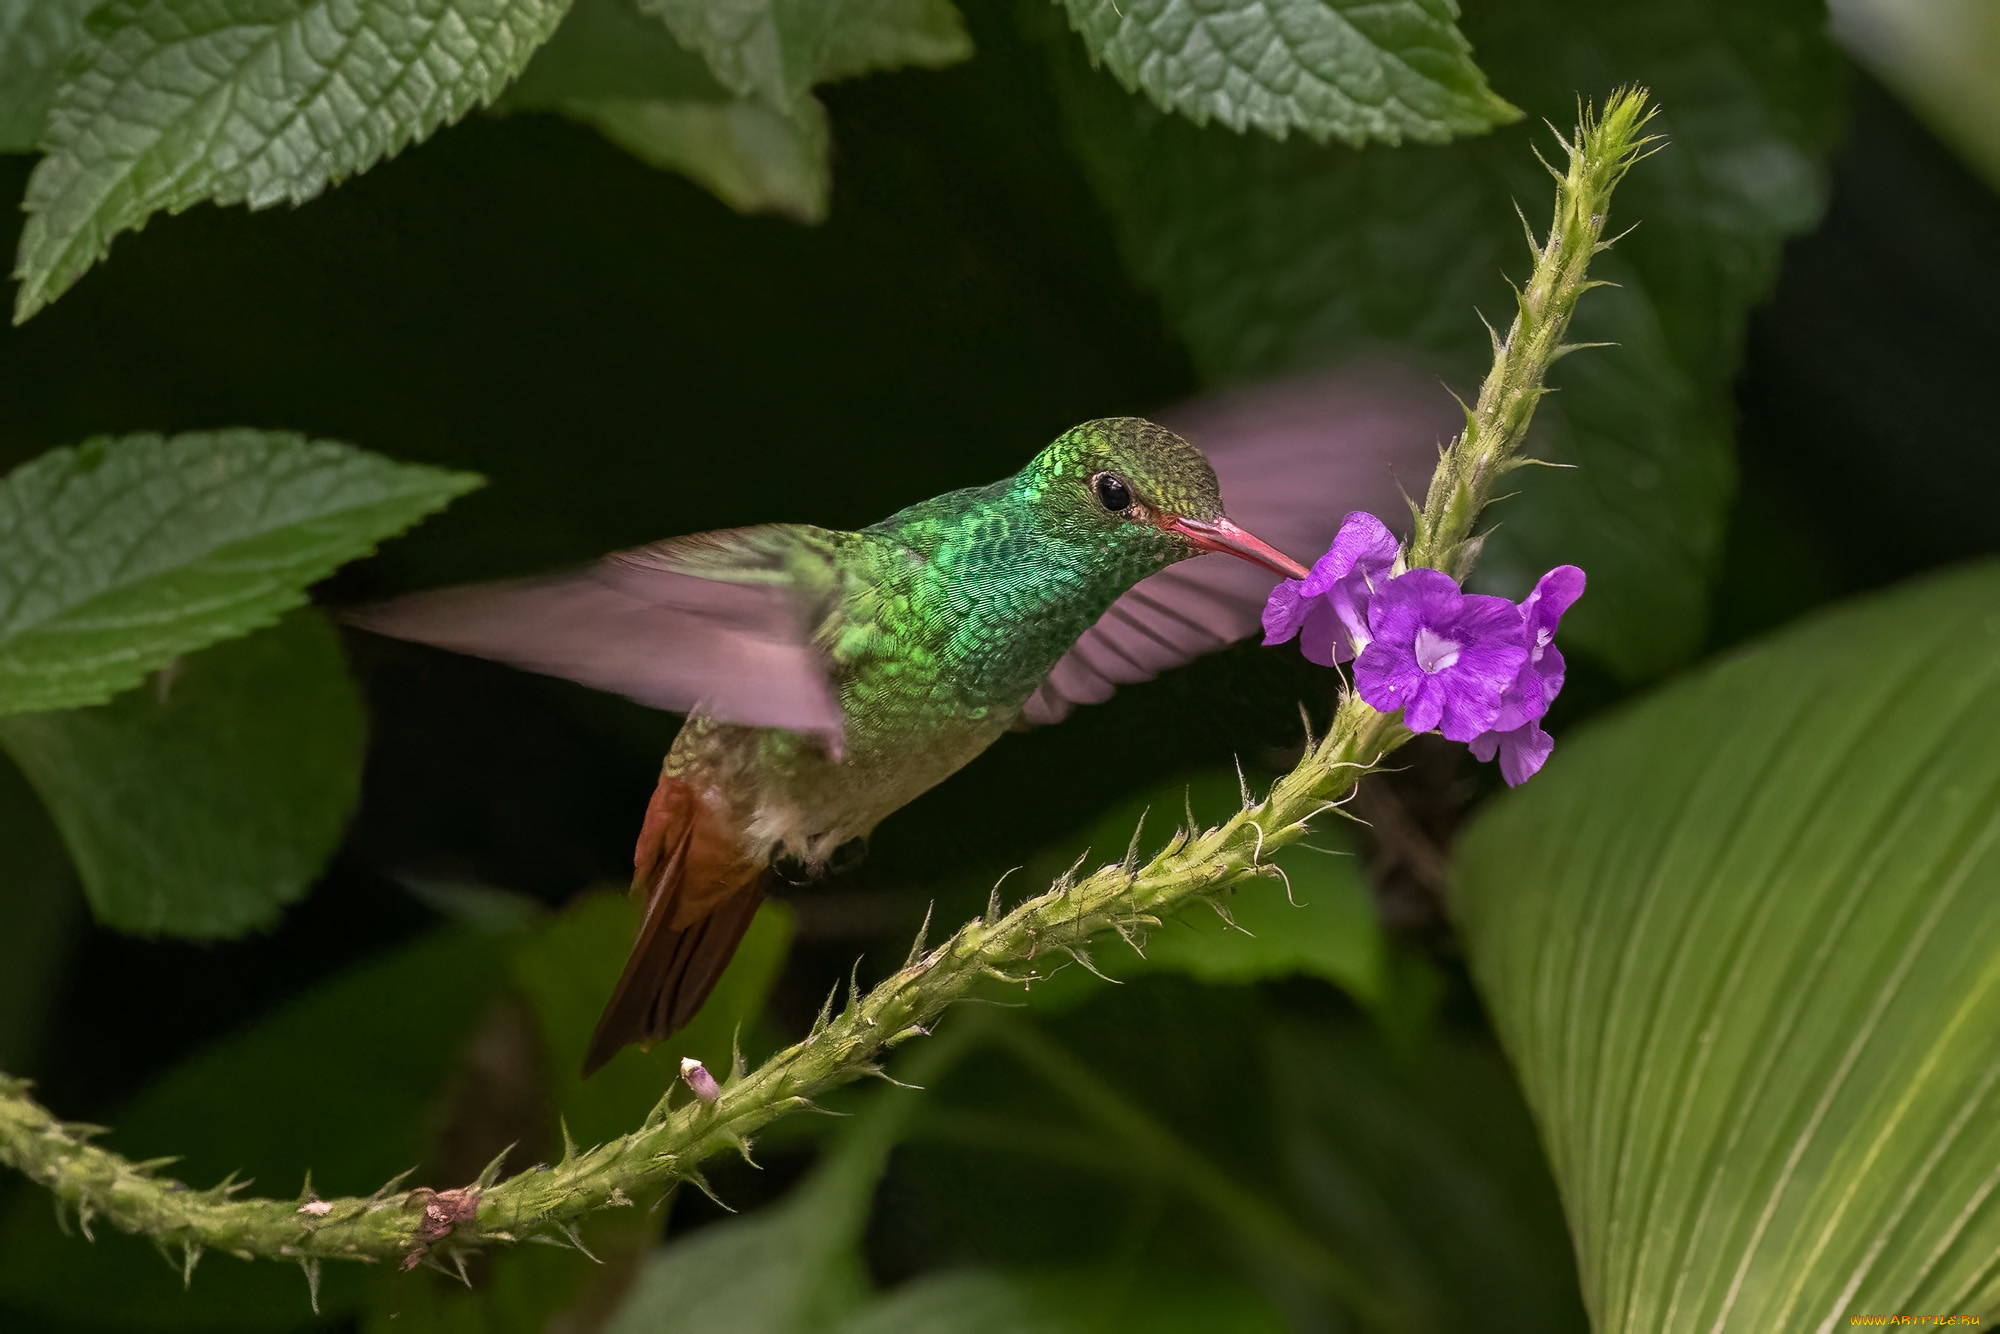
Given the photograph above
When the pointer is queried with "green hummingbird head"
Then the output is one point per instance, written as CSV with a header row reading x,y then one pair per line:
x,y
1136,489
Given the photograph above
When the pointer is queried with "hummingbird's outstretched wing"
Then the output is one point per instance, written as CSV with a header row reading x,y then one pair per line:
x,y
1293,458
723,620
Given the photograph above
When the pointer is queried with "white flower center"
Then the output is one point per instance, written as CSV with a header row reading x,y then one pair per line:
x,y
1434,651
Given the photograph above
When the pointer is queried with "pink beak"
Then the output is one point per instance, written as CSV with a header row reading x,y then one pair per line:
x,y
1222,535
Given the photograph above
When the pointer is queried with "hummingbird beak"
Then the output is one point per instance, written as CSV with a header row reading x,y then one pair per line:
x,y
1224,536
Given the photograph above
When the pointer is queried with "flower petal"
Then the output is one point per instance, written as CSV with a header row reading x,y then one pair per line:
x,y
1385,674
1364,542
1285,611
1555,593
1323,639
1425,703
1413,598
1467,704
1523,752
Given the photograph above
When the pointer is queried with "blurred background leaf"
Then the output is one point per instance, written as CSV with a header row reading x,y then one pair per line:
x,y
37,38
622,73
1740,942
204,805
1260,1140
795,1266
119,554
775,50
1939,56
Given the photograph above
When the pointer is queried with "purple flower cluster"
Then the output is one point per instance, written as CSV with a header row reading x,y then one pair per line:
x,y
1479,669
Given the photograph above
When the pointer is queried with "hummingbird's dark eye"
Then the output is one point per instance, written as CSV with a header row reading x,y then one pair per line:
x,y
1112,492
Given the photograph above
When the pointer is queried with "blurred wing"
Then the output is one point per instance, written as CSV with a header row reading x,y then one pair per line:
x,y
1293,458
724,621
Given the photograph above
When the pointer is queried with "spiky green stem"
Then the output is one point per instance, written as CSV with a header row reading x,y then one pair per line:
x,y
404,1226
1602,151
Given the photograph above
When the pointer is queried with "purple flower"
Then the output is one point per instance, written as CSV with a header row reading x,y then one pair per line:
x,y
1443,656
1516,735
1328,609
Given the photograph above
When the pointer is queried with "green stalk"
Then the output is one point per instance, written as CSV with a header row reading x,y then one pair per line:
x,y
404,1227
1602,151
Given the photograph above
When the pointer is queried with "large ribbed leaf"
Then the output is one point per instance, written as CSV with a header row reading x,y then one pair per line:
x,y
1743,945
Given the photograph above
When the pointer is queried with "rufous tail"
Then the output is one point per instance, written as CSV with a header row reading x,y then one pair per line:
x,y
700,892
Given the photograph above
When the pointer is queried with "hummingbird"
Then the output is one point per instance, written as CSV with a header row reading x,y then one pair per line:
x,y
828,678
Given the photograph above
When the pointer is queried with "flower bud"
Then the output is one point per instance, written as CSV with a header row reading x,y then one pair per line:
x,y
697,1078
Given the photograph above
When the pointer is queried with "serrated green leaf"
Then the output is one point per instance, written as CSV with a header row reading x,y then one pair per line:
x,y
347,1080
37,38
776,50
258,102
119,554
622,74
1353,70
203,806
1743,946
1272,257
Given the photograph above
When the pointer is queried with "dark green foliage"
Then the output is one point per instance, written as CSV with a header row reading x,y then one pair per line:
x,y
621,72
1238,1137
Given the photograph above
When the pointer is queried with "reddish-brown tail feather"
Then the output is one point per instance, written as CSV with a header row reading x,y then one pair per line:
x,y
701,892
